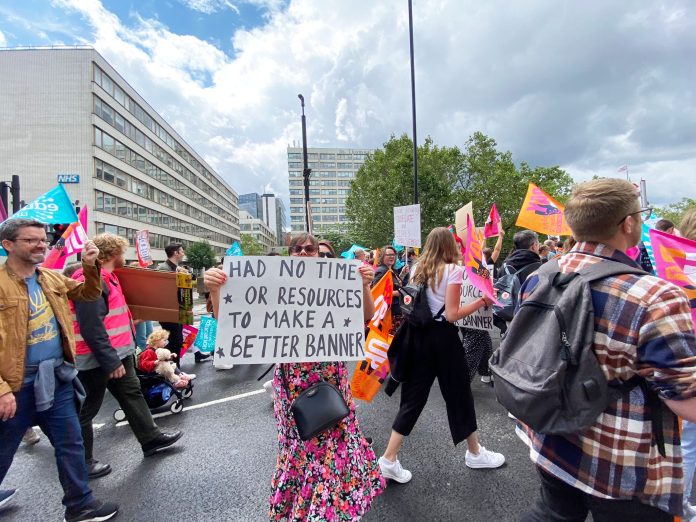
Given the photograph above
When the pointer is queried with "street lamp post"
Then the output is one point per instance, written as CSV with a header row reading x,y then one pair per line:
x,y
413,105
307,171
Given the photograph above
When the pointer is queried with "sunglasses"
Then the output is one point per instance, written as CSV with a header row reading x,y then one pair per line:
x,y
645,214
310,249
326,254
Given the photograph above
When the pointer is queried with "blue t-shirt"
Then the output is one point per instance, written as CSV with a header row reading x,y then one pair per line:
x,y
43,333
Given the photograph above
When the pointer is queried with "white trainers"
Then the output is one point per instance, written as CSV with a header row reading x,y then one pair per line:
x,y
486,379
268,386
394,471
485,459
31,437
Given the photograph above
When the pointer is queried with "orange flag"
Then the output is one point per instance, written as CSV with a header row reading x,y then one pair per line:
x,y
371,372
543,214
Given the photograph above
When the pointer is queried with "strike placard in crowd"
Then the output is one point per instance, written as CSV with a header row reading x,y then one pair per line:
x,y
481,319
407,226
290,309
142,248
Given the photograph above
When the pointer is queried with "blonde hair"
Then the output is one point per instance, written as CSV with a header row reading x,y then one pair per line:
x,y
156,336
110,245
597,207
439,251
687,227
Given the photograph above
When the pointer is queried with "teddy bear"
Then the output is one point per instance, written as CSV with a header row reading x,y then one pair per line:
x,y
165,367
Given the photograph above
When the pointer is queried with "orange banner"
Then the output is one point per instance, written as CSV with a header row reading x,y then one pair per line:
x,y
371,373
381,321
542,213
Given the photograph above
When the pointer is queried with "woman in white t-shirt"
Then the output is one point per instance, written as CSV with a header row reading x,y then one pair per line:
x,y
438,352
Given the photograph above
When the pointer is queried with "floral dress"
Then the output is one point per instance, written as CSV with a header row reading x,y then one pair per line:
x,y
333,476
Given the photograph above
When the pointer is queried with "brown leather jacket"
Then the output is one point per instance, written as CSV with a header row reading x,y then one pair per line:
x,y
14,316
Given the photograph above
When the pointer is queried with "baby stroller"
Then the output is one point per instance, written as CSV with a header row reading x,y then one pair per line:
x,y
160,395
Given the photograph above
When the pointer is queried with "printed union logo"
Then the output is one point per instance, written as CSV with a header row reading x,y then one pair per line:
x,y
505,295
68,178
408,299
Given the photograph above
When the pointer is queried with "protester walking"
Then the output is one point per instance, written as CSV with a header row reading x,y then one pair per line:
x,y
628,465
105,358
435,351
333,476
387,263
38,382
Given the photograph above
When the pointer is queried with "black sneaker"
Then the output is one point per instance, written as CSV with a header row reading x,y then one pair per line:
x,y
202,357
163,440
97,512
96,469
6,495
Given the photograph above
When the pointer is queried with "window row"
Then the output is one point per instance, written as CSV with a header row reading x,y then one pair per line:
x,y
120,207
105,82
111,174
114,147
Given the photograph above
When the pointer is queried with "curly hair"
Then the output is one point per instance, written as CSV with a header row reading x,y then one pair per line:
x,y
156,336
110,245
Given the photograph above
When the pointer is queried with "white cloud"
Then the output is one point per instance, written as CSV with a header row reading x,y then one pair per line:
x,y
209,6
586,86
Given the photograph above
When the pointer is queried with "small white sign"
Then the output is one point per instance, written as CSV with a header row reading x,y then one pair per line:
x,y
290,309
481,319
407,226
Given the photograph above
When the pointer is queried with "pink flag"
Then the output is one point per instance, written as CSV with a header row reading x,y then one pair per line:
x,y
71,242
493,223
675,259
3,212
473,261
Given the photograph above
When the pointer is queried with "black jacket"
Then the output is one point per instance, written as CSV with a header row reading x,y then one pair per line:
x,y
524,262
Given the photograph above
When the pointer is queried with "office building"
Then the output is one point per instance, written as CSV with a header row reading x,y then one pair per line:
x,y
258,229
252,204
274,215
68,115
333,170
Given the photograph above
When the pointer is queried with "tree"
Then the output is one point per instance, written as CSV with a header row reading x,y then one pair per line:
x,y
339,240
250,245
201,255
675,211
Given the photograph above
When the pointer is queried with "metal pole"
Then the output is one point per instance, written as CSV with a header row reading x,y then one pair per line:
x,y
413,105
14,189
307,171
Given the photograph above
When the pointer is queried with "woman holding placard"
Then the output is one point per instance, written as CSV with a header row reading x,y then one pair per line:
x,y
334,475
436,351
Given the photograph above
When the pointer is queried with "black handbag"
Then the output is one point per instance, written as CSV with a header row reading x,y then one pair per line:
x,y
318,408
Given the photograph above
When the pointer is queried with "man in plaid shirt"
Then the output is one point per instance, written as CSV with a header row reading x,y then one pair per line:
x,y
615,469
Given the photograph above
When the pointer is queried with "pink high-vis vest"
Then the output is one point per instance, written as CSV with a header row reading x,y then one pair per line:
x,y
117,322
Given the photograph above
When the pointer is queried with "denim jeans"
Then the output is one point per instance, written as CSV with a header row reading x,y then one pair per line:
x,y
142,332
688,445
62,426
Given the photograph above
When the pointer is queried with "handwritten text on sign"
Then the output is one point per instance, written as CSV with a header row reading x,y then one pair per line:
x,y
407,226
481,319
290,309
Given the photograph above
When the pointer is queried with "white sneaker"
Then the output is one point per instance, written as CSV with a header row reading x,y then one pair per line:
x,y
486,379
189,376
485,459
268,386
219,366
512,416
394,471
31,437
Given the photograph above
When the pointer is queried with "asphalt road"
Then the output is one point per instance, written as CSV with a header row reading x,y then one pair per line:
x,y
221,468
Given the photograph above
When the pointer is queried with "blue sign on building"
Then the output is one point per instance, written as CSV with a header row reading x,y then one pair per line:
x,y
68,178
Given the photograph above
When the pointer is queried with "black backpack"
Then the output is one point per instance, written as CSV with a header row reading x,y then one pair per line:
x,y
507,291
414,305
546,372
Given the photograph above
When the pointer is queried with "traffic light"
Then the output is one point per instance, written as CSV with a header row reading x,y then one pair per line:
x,y
58,231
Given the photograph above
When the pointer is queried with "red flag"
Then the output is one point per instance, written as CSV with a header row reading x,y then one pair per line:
x,y
493,223
473,261
71,242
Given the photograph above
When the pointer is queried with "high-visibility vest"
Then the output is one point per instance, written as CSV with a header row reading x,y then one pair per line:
x,y
117,321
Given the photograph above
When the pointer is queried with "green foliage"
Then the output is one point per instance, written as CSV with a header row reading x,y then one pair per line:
x,y
201,255
675,211
250,245
341,241
448,179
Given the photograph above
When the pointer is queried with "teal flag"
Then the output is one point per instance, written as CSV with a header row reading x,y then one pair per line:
x,y
52,208
234,250
350,253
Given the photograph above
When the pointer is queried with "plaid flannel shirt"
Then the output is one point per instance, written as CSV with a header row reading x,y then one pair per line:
x,y
642,326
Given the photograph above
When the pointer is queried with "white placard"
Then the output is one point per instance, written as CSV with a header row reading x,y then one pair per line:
x,y
407,226
481,319
290,309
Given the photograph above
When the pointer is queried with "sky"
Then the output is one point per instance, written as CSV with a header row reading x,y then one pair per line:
x,y
589,86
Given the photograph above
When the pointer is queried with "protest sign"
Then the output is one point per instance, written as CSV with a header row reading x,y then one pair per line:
x,y
290,309
474,262
542,213
407,225
205,340
460,219
142,247
675,261
184,295
189,334
71,242
153,295
481,319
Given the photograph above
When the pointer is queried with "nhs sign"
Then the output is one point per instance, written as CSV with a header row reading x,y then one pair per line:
x,y
68,178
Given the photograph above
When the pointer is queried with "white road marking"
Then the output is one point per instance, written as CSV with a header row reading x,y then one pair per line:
x,y
203,405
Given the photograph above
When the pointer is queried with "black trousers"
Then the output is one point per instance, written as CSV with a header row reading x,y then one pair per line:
x,y
561,502
176,339
438,354
127,392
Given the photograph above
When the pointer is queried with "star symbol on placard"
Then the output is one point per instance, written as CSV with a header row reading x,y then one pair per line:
x,y
220,352
228,299
346,322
